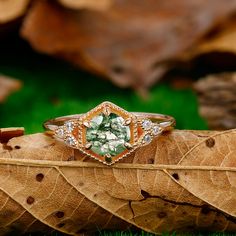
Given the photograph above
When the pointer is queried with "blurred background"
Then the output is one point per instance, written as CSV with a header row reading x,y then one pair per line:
x,y
61,57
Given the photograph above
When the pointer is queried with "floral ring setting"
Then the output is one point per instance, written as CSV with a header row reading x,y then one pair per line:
x,y
109,133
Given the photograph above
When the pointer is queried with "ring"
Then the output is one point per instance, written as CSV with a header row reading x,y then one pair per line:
x,y
108,133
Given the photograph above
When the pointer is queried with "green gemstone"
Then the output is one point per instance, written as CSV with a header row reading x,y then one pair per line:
x,y
108,134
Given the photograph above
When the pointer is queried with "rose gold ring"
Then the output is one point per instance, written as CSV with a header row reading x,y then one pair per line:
x,y
108,133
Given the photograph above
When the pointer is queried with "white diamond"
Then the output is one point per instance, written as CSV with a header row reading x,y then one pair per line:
x,y
69,126
156,130
70,141
147,138
147,124
60,133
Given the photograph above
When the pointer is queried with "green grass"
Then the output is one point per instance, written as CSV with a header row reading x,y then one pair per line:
x,y
53,88
165,234
142,233
121,233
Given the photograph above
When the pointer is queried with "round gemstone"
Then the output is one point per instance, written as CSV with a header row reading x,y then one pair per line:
x,y
108,134
69,126
70,141
147,124
147,138
156,130
60,133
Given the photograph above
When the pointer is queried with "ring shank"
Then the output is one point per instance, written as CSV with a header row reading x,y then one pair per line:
x,y
165,121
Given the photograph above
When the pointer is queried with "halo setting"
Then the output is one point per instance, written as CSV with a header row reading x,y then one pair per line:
x,y
108,133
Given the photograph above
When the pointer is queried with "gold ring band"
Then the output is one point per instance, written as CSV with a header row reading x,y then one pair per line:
x,y
167,122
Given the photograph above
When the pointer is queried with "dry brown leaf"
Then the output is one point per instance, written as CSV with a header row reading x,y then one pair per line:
x,y
131,43
12,9
223,41
7,133
7,86
182,181
87,4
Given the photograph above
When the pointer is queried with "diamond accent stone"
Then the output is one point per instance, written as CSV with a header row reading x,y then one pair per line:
x,y
147,138
146,124
70,141
69,126
156,130
60,133
108,134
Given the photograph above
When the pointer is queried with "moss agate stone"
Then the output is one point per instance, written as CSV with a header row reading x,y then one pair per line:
x,y
108,134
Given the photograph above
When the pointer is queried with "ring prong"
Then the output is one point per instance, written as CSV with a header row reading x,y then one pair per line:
x,y
127,121
87,124
108,158
128,145
88,145
106,111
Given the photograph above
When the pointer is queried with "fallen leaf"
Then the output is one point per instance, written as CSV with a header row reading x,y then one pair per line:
x,y
12,9
87,4
223,41
183,181
132,42
7,133
7,86
217,100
